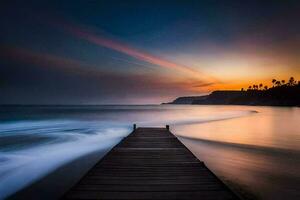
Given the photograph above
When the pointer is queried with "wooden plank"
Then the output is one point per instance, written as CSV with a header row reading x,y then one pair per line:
x,y
151,163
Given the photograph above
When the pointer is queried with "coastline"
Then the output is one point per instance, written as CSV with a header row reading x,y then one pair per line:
x,y
281,95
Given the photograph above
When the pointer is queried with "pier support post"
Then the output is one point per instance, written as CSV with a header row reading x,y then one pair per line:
x,y
134,126
167,127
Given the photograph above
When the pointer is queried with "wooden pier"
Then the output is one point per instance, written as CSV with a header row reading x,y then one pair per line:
x,y
150,163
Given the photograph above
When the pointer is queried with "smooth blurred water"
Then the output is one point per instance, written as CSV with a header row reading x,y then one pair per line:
x,y
257,148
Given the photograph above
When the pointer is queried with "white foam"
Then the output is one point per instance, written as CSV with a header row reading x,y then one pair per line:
x,y
20,168
190,119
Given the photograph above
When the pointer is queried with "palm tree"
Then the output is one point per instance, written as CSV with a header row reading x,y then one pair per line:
x,y
250,87
260,86
291,81
277,83
274,81
283,82
266,87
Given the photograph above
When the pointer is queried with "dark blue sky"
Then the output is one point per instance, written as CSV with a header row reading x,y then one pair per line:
x,y
95,52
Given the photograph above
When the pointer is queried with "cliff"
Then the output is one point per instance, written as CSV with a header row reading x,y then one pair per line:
x,y
188,100
276,96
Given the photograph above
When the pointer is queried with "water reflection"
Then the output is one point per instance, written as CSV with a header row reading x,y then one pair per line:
x,y
260,152
256,147
273,127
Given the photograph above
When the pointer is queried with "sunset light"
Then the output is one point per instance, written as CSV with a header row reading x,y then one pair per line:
x,y
139,99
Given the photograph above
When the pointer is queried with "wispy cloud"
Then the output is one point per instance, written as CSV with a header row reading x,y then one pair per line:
x,y
137,82
22,55
75,80
201,85
137,53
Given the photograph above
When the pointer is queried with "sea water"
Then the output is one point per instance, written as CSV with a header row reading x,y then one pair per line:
x,y
254,149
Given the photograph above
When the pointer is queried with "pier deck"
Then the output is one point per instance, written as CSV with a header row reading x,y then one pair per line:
x,y
150,163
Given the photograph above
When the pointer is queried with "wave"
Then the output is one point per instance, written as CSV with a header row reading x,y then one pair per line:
x,y
66,142
190,119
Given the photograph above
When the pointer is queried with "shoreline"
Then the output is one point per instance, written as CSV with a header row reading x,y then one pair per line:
x,y
276,106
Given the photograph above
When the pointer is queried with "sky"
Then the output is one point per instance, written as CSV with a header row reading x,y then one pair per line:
x,y
142,52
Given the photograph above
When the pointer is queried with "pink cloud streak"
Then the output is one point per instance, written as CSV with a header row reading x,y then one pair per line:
x,y
155,84
138,54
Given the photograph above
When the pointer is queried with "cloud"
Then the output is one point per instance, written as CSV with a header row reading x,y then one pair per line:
x,y
202,85
36,77
137,53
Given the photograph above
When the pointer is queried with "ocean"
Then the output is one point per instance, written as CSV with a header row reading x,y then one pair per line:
x,y
255,150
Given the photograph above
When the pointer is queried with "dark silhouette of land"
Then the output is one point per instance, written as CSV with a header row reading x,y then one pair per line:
x,y
282,93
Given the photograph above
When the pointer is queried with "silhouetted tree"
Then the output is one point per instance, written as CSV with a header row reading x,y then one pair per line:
x,y
274,81
292,81
266,87
277,83
283,82
260,86
250,87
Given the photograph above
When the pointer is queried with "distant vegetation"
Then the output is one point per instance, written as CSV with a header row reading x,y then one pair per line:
x,y
276,83
281,93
